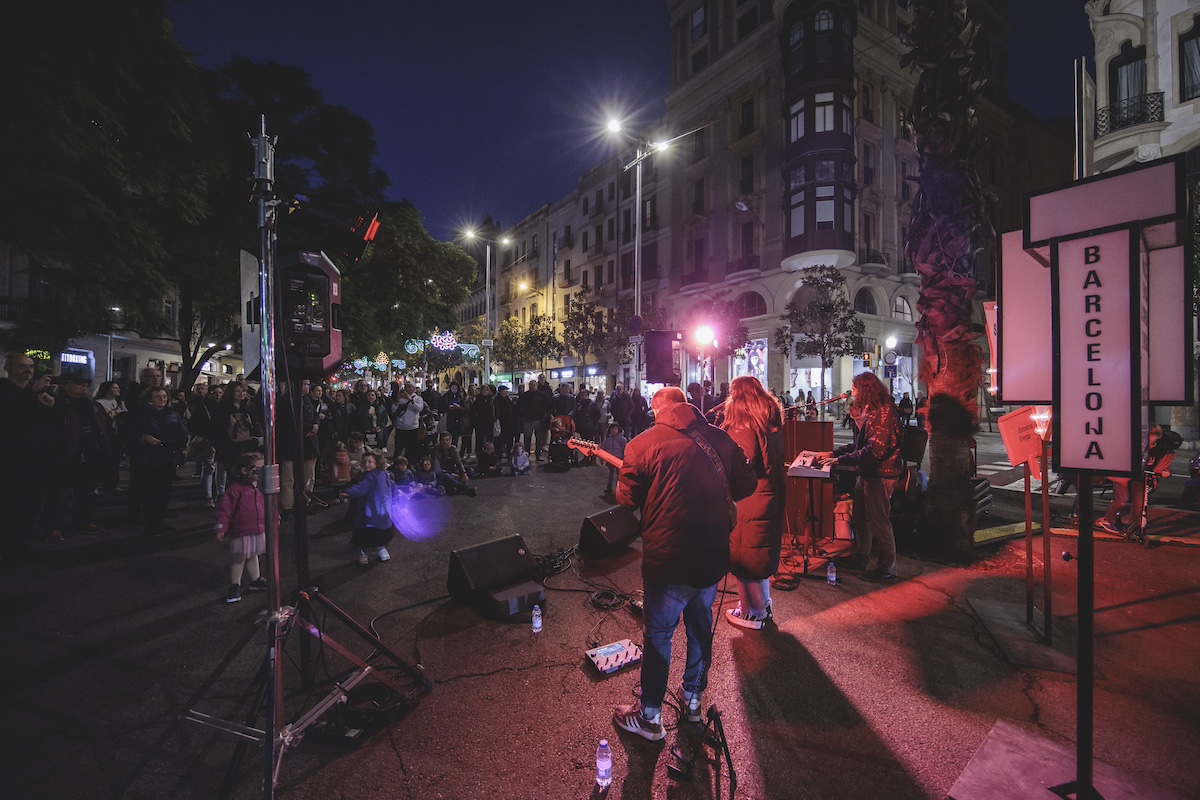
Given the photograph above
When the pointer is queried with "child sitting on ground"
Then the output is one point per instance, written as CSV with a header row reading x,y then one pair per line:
x,y
613,443
240,517
427,479
339,465
401,474
520,461
355,449
488,465
372,520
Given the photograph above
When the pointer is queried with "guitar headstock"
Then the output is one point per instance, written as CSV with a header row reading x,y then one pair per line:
x,y
588,448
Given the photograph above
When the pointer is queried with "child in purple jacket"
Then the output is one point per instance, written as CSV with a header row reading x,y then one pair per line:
x,y
375,491
240,518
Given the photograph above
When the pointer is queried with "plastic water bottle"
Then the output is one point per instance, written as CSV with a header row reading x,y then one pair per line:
x,y
831,574
537,619
603,764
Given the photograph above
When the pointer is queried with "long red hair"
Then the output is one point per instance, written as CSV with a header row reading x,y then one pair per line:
x,y
751,406
870,393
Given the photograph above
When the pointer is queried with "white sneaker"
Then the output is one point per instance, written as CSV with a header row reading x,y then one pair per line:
x,y
384,555
362,557
692,711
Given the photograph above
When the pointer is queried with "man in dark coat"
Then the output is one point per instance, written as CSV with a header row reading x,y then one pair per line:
x,y
28,441
533,407
621,408
682,473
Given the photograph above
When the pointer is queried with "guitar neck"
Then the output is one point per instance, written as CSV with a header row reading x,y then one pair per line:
x,y
592,449
608,458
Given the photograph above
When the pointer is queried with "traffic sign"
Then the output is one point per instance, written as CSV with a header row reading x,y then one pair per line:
x,y
890,371
487,342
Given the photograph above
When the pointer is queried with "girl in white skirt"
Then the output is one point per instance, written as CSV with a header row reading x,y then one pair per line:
x,y
240,518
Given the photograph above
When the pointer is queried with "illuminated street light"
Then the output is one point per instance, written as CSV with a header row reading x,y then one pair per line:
x,y
704,335
645,149
487,293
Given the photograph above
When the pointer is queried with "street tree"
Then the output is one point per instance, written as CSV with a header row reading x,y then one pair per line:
x,y
407,285
945,237
510,343
541,340
615,337
103,162
583,329
820,321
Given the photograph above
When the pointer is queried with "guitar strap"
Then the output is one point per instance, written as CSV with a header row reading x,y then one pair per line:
x,y
719,467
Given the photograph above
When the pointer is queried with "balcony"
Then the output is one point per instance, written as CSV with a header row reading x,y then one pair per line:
x,y
874,259
1130,112
746,263
565,242
700,276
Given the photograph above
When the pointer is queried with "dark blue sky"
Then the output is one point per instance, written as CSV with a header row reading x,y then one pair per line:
x,y
497,106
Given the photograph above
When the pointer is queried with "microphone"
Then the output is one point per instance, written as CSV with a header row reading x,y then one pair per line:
x,y
835,399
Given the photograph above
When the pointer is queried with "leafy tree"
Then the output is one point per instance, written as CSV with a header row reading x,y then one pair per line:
x,y
103,164
407,285
541,340
821,323
509,347
948,228
615,339
582,333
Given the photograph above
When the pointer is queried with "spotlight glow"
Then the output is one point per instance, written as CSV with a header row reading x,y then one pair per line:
x,y
704,335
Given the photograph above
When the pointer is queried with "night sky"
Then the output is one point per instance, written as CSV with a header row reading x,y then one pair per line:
x,y
497,106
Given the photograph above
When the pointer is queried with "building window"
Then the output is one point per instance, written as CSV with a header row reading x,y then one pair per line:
x,y
612,190
901,309
649,209
868,231
868,165
612,228
699,24
905,183
746,184
797,122
698,261
1189,63
796,47
699,145
823,25
584,279
747,23
823,112
748,237
750,304
797,214
824,170
583,206
567,269
1127,73
847,116
824,208
864,302
698,196
626,225
867,8
699,59
902,122
868,104
847,211
599,236
612,270
585,241
746,125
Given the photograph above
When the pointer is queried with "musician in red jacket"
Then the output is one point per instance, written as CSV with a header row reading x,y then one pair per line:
x,y
684,474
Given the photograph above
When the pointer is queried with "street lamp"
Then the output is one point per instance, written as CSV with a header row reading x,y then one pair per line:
x,y
487,295
645,149
706,338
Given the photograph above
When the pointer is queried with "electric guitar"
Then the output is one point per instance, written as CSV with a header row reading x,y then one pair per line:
x,y
592,449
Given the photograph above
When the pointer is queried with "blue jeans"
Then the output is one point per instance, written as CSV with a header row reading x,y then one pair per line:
x,y
664,602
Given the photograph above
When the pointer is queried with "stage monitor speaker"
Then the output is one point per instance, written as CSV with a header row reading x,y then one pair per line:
x,y
606,531
477,570
664,357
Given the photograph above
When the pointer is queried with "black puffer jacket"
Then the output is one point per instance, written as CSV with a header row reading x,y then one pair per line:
x,y
685,510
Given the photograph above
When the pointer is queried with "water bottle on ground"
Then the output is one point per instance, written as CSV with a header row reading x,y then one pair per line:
x,y
603,764
831,574
537,619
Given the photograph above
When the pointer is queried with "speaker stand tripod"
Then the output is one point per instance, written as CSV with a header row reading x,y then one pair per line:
x,y
714,734
300,615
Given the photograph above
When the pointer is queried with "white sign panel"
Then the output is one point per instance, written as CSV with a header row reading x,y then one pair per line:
x,y
1097,382
1025,374
1170,328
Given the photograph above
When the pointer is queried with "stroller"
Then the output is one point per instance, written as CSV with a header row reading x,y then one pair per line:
x,y
561,457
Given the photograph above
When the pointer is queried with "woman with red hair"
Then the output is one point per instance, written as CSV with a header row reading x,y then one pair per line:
x,y
875,451
753,419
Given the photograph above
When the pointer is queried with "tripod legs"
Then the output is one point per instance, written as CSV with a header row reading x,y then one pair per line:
x,y
713,734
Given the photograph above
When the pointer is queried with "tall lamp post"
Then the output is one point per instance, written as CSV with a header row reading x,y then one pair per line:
x,y
645,149
487,295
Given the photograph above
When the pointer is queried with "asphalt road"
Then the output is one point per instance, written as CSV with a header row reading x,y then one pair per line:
x,y
858,691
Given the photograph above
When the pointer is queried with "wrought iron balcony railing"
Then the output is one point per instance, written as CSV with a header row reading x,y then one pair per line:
x,y
1129,112
874,257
